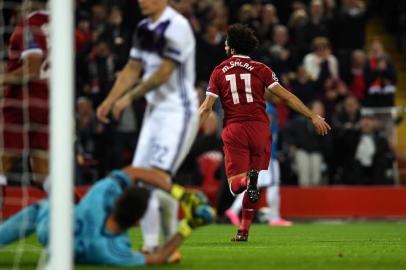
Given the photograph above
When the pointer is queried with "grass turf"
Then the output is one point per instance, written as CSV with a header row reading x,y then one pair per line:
x,y
303,246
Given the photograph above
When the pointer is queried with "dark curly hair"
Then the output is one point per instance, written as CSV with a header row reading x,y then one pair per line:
x,y
130,206
241,38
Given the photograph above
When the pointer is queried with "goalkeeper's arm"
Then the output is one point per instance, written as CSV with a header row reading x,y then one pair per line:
x,y
161,256
203,216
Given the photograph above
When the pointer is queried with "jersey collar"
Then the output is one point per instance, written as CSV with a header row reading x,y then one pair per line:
x,y
240,56
164,16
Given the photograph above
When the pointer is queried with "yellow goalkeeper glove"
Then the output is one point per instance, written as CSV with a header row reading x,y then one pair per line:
x,y
189,201
184,228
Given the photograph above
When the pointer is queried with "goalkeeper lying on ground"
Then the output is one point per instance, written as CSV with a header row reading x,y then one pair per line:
x,y
102,219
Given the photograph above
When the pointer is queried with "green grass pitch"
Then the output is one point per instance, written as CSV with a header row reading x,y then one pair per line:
x,y
303,246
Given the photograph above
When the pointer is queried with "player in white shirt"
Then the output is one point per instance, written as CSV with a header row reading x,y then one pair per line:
x,y
164,53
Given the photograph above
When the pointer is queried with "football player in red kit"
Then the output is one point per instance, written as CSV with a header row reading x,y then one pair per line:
x,y
241,82
24,106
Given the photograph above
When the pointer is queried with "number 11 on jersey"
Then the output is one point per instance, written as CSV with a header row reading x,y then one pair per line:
x,y
246,77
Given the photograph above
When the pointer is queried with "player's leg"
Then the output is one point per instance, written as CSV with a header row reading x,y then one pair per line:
x,y
272,192
233,213
237,161
164,142
273,197
237,157
150,225
39,145
6,163
169,208
140,169
264,179
12,135
7,160
182,136
315,168
40,167
259,138
303,167
169,212
19,226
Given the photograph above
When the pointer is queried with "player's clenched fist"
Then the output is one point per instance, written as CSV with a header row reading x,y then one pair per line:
x,y
103,111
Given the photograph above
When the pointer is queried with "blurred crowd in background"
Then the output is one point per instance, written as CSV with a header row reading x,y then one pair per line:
x,y
318,50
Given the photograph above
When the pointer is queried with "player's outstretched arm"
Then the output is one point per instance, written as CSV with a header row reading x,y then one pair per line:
x,y
29,71
206,108
322,128
152,176
160,76
161,256
126,79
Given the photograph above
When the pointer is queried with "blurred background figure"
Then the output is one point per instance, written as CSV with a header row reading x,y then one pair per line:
x,y
282,58
371,156
321,64
381,77
354,76
345,123
86,129
303,87
317,25
308,149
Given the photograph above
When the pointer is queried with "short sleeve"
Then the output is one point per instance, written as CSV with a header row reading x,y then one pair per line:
x,y
121,178
212,89
135,51
270,79
179,41
28,41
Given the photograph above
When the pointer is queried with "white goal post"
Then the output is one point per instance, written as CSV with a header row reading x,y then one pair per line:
x,y
62,135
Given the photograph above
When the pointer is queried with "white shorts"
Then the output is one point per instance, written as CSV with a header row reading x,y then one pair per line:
x,y
271,177
166,138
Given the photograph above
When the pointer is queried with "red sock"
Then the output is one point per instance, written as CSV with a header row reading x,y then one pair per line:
x,y
239,184
248,213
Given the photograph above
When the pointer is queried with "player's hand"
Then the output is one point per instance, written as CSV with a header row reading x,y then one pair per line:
x,y
120,105
103,111
189,200
322,128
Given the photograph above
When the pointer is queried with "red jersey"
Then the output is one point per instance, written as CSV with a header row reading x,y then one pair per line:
x,y
240,82
29,37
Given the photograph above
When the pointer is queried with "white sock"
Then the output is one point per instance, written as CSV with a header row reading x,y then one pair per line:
x,y
273,200
237,204
47,185
3,180
264,178
150,224
272,193
169,214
